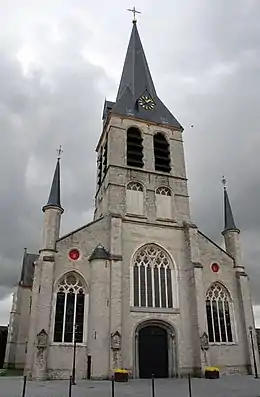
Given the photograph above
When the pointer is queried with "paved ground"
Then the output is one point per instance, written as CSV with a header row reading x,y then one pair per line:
x,y
232,386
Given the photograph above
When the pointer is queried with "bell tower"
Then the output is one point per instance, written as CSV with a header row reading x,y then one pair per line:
x,y
140,158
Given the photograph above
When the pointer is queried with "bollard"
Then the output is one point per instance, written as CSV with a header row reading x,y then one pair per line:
x,y
24,385
89,368
189,382
153,392
113,386
70,384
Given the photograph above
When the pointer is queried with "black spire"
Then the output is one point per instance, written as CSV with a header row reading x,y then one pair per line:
x,y
229,223
136,74
136,81
54,197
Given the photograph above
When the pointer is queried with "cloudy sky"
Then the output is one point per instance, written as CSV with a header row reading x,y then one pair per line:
x,y
59,59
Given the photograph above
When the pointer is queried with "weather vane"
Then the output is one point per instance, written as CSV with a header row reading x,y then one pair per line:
x,y
224,182
134,11
59,151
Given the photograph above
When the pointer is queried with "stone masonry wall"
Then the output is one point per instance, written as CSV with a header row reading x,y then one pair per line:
x,y
172,240
85,239
232,357
111,195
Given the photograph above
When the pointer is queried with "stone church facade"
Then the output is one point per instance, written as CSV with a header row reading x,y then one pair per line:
x,y
140,287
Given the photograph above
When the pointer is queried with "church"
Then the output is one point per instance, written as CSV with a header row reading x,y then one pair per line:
x,y
140,287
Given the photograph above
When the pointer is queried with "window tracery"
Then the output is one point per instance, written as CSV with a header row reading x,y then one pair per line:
x,y
69,313
218,309
152,278
135,186
163,202
134,198
163,191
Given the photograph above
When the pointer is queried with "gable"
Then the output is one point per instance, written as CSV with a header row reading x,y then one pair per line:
x,y
87,237
209,249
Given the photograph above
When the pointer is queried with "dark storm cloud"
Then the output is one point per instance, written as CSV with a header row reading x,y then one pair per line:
x,y
223,106
39,112
204,57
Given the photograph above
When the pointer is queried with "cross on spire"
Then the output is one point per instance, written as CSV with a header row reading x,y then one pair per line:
x,y
134,11
59,151
224,182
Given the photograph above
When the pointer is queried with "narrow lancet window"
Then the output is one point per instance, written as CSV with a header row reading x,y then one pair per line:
x,y
105,159
136,285
99,168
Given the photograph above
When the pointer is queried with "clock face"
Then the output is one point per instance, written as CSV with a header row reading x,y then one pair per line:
x,y
146,102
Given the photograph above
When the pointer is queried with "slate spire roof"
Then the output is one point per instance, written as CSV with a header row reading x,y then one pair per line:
x,y
27,272
229,222
136,80
136,74
54,197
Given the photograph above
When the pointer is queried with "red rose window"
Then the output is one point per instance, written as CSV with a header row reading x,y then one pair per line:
x,y
215,267
74,254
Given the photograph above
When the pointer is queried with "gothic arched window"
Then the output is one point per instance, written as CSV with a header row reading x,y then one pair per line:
x,y
153,278
163,202
69,313
219,309
134,148
134,198
161,153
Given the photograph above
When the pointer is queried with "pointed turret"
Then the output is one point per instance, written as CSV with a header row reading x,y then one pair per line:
x,y
54,197
231,232
52,212
229,223
137,95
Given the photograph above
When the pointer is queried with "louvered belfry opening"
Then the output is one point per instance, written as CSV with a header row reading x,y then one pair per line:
x,y
161,153
105,159
99,167
134,148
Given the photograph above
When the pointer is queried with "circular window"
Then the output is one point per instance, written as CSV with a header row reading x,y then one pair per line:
x,y
215,267
74,254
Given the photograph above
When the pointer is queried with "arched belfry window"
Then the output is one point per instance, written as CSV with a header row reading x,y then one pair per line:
x,y
134,148
163,202
161,153
70,307
154,281
99,168
219,310
134,198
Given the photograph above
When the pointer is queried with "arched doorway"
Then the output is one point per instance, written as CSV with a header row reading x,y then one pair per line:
x,y
153,352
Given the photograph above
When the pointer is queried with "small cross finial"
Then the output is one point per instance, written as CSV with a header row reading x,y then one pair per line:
x,y
134,11
224,182
59,151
